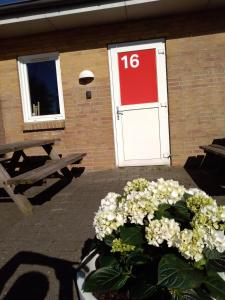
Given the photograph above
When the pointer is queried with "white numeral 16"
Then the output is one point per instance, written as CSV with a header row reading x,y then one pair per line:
x,y
134,61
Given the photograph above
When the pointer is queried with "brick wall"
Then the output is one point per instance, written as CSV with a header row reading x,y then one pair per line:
x,y
2,131
195,47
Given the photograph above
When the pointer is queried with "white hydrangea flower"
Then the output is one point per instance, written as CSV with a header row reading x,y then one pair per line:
x,y
162,230
107,221
166,191
221,213
216,239
196,192
137,185
191,244
208,216
110,216
109,202
140,202
138,205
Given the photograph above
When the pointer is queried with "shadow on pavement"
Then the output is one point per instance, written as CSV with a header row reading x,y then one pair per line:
x,y
46,192
56,187
34,285
208,171
31,285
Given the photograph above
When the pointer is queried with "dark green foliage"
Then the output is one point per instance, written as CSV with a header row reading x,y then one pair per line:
x,y
149,273
216,285
177,273
132,235
105,279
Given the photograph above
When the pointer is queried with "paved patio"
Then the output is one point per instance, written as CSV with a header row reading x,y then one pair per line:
x,y
38,254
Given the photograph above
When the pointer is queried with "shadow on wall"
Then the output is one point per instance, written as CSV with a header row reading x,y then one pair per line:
x,y
208,171
34,285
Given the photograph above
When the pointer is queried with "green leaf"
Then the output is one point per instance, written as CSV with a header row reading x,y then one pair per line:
x,y
173,272
162,211
217,264
189,295
137,258
109,239
216,285
181,210
132,235
105,279
142,291
200,264
212,254
203,294
107,260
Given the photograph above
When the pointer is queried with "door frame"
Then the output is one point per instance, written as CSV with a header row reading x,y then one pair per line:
x,y
162,90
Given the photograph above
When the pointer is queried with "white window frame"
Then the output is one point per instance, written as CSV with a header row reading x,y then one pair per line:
x,y
25,92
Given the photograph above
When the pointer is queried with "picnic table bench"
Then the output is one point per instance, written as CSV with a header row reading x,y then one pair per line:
x,y
56,164
215,149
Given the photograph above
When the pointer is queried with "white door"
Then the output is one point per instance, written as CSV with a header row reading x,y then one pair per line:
x,y
139,102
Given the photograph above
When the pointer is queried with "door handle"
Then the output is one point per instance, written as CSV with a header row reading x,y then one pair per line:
x,y
118,112
163,104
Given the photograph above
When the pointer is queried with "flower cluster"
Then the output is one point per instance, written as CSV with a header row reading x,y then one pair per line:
x,y
110,216
119,246
166,191
162,230
142,204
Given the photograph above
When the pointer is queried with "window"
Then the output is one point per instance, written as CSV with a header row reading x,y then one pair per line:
x,y
41,87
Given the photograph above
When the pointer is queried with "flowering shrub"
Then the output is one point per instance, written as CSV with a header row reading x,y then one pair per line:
x,y
159,241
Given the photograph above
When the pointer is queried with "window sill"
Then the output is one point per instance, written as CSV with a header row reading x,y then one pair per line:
x,y
48,125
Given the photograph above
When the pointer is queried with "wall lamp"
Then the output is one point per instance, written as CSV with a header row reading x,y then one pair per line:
x,y
86,77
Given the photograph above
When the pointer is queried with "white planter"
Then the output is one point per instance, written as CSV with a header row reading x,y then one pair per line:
x,y
81,275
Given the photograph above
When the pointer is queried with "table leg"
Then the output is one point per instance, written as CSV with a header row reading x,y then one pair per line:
x,y
14,160
51,151
21,201
54,156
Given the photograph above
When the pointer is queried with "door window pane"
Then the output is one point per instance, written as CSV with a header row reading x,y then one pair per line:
x,y
43,88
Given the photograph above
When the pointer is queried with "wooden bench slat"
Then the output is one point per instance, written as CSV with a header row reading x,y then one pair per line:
x,y
45,170
214,149
12,147
3,159
218,146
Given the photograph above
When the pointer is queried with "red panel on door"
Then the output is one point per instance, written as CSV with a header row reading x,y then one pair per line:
x,y
138,77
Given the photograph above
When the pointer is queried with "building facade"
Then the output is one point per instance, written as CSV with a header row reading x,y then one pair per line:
x,y
185,104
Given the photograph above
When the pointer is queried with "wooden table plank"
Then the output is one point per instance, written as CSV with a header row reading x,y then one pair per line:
x,y
41,172
214,149
12,147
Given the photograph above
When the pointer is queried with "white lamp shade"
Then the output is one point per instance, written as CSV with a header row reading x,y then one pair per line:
x,y
86,74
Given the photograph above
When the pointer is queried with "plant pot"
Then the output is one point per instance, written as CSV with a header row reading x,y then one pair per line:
x,y
82,274
88,268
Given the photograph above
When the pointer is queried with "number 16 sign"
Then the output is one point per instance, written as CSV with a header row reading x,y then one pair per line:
x,y
138,77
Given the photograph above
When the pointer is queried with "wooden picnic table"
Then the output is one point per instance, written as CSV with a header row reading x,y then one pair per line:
x,y
56,164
